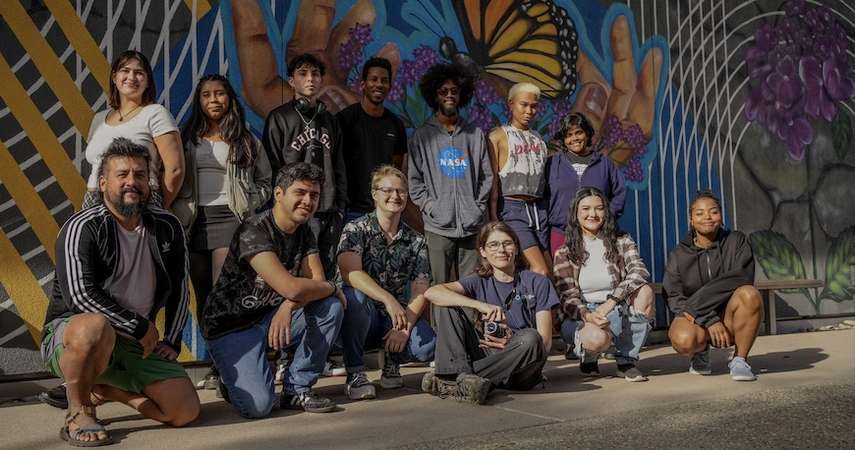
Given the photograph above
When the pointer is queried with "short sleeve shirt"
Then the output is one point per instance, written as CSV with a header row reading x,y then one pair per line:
x,y
241,297
152,121
521,299
393,265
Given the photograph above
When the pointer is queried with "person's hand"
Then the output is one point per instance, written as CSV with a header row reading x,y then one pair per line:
x,y
395,340
719,335
314,34
605,308
491,313
397,314
631,96
150,340
497,343
279,333
165,351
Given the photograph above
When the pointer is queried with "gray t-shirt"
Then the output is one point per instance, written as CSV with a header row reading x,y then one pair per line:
x,y
594,279
212,159
134,279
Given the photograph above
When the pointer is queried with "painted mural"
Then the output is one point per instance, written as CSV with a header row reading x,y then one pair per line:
x,y
754,100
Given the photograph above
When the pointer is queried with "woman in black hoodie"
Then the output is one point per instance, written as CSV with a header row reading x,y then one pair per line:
x,y
708,283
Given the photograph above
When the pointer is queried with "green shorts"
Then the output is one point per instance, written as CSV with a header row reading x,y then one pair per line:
x,y
127,369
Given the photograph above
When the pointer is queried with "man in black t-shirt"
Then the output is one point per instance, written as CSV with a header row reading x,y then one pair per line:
x,y
374,136
272,293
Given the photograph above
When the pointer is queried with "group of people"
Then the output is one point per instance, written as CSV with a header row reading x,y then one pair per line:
x,y
337,232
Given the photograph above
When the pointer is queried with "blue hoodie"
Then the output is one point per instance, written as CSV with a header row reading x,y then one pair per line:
x,y
562,182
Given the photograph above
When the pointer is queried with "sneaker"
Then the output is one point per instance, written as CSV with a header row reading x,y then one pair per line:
x,y
334,369
391,377
209,381
570,354
740,370
358,387
630,373
307,401
589,368
700,364
56,397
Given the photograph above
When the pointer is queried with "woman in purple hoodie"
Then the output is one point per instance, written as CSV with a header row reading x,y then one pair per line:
x,y
578,165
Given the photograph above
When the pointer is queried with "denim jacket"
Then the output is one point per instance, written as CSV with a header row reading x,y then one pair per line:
x,y
247,187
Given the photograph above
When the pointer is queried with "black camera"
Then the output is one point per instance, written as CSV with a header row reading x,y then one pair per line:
x,y
493,329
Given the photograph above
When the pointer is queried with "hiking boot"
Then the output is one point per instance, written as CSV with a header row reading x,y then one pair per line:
x,y
700,364
391,377
472,389
740,370
358,387
307,401
630,373
589,368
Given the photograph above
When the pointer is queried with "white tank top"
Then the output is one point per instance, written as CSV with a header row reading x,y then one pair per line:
x,y
523,174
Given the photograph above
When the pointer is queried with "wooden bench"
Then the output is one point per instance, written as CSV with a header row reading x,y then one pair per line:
x,y
766,288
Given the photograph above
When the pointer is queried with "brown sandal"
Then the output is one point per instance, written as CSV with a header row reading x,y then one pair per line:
x,y
73,437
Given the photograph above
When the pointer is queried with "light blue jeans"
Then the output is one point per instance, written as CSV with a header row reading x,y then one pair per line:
x,y
629,329
364,327
241,357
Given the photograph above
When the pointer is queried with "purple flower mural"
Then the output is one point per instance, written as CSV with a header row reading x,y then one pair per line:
x,y
798,71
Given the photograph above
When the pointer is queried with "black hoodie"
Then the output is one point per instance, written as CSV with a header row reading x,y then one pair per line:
x,y
700,281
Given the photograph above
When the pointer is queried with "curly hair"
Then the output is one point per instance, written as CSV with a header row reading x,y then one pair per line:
x,y
571,120
609,233
484,268
243,148
438,74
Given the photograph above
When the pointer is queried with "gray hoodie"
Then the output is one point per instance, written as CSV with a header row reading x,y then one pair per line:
x,y
450,177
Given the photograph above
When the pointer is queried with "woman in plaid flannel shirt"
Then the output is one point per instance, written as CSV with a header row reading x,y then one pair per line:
x,y
602,283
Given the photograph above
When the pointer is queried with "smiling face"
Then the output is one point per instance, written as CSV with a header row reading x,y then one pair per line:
x,y
390,195
591,213
125,184
705,217
131,79
575,140
448,97
306,81
214,100
500,251
299,201
376,85
523,108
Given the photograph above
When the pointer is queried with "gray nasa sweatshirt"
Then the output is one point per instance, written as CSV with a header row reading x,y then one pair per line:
x,y
450,177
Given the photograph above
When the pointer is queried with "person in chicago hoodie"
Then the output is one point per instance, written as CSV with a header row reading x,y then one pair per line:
x,y
302,130
449,173
708,283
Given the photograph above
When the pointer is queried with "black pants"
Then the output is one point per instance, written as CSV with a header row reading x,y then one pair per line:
x,y
518,366
326,227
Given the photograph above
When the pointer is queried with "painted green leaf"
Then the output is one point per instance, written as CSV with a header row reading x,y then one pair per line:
x,y
841,134
838,263
779,258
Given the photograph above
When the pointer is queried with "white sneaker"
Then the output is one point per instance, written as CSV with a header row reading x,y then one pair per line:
x,y
740,370
358,387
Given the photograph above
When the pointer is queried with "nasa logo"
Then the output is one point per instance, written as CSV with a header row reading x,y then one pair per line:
x,y
453,162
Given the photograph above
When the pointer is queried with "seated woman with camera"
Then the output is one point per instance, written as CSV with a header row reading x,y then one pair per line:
x,y
508,345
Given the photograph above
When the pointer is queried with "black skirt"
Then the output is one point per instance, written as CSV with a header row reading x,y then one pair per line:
x,y
213,228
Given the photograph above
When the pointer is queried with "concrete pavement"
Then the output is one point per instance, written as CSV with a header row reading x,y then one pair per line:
x,y
805,397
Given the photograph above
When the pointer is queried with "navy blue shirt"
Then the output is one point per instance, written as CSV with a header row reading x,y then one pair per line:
x,y
521,300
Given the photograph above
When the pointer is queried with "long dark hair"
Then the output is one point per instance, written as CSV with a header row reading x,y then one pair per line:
x,y
243,148
150,92
484,268
608,233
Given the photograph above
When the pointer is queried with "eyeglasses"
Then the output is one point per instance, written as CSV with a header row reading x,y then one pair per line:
x,y
448,91
493,246
389,191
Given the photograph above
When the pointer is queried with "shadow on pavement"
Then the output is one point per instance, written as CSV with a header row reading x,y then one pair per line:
x,y
774,362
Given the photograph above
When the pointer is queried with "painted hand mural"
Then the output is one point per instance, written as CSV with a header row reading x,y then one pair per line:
x,y
615,82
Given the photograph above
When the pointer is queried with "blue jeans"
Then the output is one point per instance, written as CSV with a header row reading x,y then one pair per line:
x,y
241,357
364,327
629,329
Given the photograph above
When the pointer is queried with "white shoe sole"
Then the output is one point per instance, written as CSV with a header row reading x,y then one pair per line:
x,y
743,378
700,372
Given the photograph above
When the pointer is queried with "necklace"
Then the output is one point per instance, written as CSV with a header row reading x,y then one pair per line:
x,y
122,116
